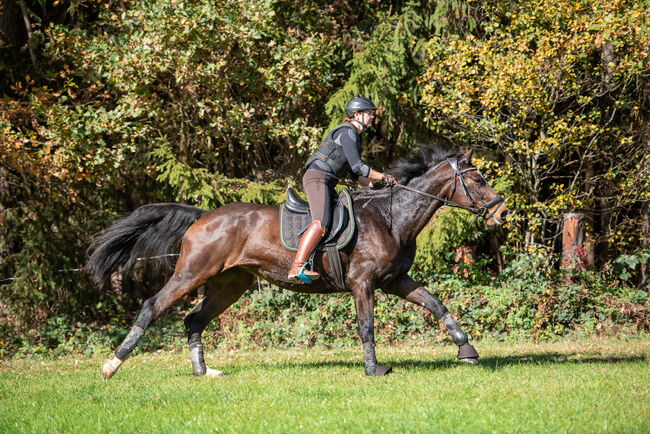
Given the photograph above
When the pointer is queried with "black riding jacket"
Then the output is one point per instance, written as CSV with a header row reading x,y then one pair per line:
x,y
340,153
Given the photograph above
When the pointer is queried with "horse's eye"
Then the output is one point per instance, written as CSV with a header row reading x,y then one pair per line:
x,y
479,180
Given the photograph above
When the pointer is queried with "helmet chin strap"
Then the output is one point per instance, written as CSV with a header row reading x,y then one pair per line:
x,y
362,122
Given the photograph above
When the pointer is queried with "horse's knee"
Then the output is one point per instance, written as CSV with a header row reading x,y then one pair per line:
x,y
193,320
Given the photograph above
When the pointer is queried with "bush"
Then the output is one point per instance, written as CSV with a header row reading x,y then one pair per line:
x,y
530,299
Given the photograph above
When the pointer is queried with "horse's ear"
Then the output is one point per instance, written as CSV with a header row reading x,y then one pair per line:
x,y
467,157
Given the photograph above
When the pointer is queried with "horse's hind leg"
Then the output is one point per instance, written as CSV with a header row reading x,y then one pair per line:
x,y
412,291
222,291
182,282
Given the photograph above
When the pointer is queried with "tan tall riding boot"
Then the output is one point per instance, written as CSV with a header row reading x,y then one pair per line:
x,y
308,243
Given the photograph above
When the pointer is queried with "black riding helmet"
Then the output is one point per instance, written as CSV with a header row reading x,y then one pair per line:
x,y
358,104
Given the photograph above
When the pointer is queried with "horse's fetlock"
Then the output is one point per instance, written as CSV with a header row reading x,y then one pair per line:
x,y
196,356
193,338
457,335
371,370
459,338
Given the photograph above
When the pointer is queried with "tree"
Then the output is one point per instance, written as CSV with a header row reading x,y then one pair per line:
x,y
557,93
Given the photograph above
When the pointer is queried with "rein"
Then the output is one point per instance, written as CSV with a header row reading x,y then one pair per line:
x,y
458,174
479,212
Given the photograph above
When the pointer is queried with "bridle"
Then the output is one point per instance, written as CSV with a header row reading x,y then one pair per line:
x,y
458,175
479,211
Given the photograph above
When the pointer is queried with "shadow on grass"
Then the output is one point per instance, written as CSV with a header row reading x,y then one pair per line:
x,y
491,363
554,358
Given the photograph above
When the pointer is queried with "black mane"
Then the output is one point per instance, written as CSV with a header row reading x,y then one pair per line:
x,y
406,169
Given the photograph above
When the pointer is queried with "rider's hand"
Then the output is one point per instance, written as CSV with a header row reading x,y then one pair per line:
x,y
389,179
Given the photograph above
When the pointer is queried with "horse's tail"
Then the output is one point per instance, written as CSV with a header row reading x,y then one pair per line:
x,y
150,230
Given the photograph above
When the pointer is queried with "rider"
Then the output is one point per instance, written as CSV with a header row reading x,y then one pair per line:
x,y
337,156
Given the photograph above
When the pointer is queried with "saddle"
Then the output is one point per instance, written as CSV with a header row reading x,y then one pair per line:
x,y
295,218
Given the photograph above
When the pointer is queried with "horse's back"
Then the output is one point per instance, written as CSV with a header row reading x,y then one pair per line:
x,y
236,233
235,217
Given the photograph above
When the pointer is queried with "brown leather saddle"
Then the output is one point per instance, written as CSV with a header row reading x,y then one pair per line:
x,y
295,218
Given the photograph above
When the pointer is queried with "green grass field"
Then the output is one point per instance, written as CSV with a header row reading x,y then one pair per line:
x,y
584,386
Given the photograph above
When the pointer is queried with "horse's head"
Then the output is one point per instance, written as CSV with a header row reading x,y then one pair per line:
x,y
467,188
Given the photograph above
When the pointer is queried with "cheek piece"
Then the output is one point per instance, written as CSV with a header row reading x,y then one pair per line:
x,y
481,211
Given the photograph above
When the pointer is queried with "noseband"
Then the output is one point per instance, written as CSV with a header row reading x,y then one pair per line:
x,y
480,211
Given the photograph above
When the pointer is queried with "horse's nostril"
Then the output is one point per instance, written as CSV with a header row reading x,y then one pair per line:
x,y
504,214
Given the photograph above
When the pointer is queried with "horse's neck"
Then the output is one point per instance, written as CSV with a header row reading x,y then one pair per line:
x,y
412,211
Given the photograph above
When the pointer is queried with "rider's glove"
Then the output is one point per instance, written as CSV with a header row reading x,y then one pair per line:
x,y
389,179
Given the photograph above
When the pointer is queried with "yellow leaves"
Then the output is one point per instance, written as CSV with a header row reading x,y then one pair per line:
x,y
527,69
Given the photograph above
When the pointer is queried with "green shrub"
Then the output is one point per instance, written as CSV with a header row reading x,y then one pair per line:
x,y
531,299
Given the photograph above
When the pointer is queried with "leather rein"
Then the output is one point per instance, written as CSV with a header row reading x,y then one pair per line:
x,y
479,211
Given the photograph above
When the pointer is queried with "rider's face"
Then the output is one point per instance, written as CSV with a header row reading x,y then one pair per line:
x,y
367,117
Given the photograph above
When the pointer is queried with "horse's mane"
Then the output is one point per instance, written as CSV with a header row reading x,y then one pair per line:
x,y
406,169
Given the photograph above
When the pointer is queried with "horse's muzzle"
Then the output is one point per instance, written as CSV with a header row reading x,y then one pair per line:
x,y
497,216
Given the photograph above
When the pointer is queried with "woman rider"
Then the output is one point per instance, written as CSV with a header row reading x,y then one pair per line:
x,y
338,155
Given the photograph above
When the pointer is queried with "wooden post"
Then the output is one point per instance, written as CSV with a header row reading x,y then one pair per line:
x,y
573,237
645,240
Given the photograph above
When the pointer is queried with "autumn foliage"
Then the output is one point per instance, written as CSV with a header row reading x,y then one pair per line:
x,y
108,105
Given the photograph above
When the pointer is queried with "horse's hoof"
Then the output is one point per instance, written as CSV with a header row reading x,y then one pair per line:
x,y
468,354
107,370
383,370
209,372
110,367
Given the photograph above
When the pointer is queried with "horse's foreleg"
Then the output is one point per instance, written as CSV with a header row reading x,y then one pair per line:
x,y
364,302
412,291
365,307
176,287
222,292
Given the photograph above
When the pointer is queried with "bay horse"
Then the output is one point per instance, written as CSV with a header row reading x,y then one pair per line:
x,y
226,248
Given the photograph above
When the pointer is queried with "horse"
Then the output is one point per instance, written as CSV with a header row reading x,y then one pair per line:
x,y
225,249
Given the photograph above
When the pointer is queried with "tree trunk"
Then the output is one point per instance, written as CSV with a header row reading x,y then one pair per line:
x,y
607,59
28,28
12,27
645,240
4,229
590,257
494,245
573,236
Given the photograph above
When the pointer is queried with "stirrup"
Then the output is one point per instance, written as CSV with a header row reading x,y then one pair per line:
x,y
302,275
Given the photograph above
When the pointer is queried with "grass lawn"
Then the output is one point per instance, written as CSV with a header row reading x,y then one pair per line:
x,y
582,386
